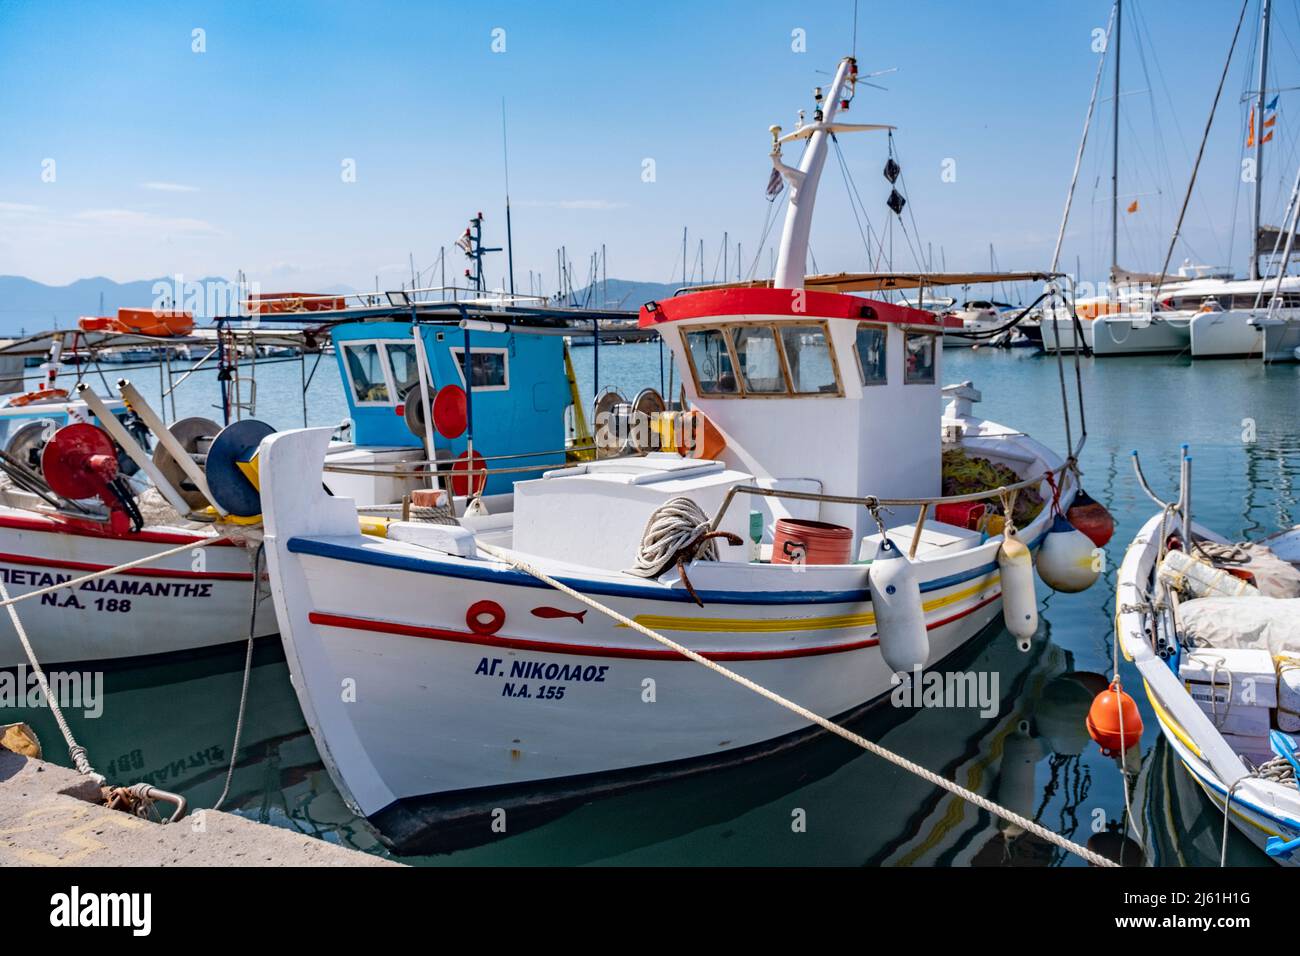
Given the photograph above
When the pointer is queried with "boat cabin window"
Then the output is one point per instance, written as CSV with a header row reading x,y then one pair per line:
x,y
405,372
366,372
490,368
760,362
777,359
808,357
870,350
711,362
918,367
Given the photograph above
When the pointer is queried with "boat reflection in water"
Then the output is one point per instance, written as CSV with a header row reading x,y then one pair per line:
x,y
821,801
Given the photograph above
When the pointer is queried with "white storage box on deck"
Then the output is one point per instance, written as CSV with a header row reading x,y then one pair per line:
x,y
1288,694
1235,687
936,536
594,514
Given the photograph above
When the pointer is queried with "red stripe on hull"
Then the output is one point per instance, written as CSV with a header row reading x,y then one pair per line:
x,y
649,654
144,572
59,526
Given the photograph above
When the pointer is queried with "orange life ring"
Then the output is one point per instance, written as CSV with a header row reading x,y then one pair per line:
x,y
41,394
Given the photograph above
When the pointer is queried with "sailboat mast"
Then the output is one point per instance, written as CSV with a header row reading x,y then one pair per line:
x,y
1265,10
1114,151
505,163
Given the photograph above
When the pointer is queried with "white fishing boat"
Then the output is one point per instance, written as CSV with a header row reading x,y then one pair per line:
x,y
479,689
1214,630
83,492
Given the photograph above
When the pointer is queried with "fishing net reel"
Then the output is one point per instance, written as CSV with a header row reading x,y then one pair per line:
x,y
80,462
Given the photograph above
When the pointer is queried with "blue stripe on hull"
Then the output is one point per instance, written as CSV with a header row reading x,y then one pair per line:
x,y
654,592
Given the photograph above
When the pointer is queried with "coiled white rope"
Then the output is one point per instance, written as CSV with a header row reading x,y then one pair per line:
x,y
675,526
871,747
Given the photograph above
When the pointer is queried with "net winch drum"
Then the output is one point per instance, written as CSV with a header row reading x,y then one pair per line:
x,y
230,485
195,435
647,408
27,441
604,427
80,462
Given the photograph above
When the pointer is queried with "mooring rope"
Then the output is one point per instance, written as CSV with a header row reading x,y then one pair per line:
x,y
77,752
871,747
248,671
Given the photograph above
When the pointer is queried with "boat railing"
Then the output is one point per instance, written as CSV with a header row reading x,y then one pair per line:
x,y
445,468
874,503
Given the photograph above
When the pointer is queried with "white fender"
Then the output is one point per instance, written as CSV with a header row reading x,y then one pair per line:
x,y
900,617
1016,791
1019,602
1065,559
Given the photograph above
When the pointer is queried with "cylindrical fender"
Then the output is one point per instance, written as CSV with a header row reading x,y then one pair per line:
x,y
900,617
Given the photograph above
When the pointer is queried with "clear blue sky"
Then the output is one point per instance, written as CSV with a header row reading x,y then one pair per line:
x,y
171,161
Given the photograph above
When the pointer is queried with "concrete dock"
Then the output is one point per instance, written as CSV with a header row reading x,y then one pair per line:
x,y
50,816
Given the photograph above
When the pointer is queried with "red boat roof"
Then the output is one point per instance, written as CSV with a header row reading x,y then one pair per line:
x,y
795,303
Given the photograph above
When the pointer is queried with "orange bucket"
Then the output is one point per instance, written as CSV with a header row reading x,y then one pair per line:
x,y
811,542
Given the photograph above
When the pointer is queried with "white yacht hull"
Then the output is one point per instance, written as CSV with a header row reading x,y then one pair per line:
x,y
1138,334
1060,334
1225,335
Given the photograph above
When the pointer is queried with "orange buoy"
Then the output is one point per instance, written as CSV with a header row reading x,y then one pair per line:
x,y
1091,517
1104,717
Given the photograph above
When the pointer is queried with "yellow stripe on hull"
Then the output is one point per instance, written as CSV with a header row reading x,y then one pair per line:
x,y
663,622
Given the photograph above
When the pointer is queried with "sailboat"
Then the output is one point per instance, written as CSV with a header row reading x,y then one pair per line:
x,y
1202,310
480,690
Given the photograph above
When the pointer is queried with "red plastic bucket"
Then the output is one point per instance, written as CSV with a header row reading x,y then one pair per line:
x,y
811,542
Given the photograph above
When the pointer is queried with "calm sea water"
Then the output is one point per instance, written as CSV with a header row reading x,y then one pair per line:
x,y
172,724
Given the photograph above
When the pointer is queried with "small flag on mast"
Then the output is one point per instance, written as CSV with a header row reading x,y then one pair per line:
x,y
1270,120
773,184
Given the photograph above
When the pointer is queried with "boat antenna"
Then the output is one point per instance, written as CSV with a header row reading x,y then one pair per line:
x,y
855,29
505,161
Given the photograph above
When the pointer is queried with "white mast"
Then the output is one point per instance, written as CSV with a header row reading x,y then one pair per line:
x,y
793,256
1260,101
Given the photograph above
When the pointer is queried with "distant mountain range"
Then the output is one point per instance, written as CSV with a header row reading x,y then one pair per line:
x,y
31,306
624,293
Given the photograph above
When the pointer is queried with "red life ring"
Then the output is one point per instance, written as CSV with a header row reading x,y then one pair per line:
x,y
490,609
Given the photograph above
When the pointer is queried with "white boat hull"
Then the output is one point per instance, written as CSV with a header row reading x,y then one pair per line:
x,y
1138,334
1060,334
1260,808
558,701
194,599
1225,335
